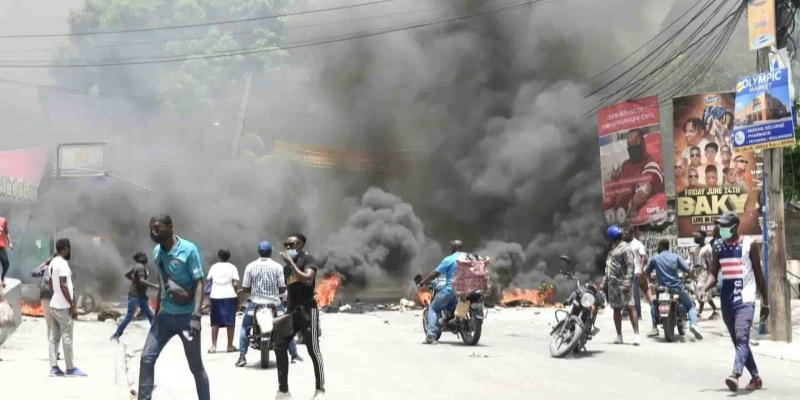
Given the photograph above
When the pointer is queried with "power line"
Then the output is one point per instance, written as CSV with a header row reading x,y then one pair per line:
x,y
196,25
259,50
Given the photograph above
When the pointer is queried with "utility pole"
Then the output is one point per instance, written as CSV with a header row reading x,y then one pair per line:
x,y
780,320
248,83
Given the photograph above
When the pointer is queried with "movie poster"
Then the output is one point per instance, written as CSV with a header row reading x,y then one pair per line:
x,y
710,178
631,165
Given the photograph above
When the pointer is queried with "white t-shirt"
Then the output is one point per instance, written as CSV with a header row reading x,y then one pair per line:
x,y
60,268
222,275
639,252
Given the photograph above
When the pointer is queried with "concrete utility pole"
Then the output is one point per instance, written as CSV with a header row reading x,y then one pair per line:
x,y
248,83
780,317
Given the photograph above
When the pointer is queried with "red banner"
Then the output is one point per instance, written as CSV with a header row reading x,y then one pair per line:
x,y
20,173
630,159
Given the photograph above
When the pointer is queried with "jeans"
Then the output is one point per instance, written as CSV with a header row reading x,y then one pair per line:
x,y
3,263
133,304
164,327
310,328
247,324
61,332
739,319
687,304
441,301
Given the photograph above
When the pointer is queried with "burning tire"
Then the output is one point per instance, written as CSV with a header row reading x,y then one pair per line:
x,y
425,324
565,337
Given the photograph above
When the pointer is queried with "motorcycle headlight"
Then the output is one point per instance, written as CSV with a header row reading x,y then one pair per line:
x,y
587,300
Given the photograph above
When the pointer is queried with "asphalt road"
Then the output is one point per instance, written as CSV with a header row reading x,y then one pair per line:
x,y
380,356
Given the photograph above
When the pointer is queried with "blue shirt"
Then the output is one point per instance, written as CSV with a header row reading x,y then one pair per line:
x,y
448,268
667,265
184,265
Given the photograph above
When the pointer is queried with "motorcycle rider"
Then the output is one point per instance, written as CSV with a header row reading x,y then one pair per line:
x,y
446,297
666,265
620,266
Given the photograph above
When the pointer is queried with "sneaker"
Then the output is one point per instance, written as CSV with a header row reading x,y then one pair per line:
x,y
282,395
595,331
696,331
653,333
430,340
114,338
297,359
319,395
618,340
732,382
55,371
637,340
242,361
755,384
714,316
75,372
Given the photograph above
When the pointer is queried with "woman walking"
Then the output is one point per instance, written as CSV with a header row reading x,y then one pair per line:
x,y
224,279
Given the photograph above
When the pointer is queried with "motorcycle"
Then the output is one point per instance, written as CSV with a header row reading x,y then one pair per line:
x,y
575,328
464,316
671,313
260,337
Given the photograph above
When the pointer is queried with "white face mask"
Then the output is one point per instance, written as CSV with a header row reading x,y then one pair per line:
x,y
292,253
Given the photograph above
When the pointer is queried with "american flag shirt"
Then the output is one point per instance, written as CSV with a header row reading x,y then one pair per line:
x,y
736,271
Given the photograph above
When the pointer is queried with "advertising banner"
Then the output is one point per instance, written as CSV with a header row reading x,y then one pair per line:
x,y
761,23
711,177
81,159
764,112
20,174
631,164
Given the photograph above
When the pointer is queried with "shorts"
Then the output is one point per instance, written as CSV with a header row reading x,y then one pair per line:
x,y
620,295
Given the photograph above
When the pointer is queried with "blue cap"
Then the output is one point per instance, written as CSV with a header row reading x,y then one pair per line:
x,y
614,232
264,247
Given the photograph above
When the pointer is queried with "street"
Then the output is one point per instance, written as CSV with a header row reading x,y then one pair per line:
x,y
380,356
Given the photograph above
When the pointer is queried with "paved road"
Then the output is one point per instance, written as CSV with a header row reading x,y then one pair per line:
x,y
380,356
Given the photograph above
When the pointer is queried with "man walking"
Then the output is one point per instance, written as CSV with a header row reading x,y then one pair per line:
x,y
178,305
264,281
639,259
62,311
620,265
137,295
302,305
702,264
666,264
5,243
737,260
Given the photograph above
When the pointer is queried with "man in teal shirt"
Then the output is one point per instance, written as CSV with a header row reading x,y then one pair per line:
x,y
180,295
444,297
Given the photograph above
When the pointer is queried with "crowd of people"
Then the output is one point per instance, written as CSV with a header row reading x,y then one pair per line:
x,y
727,263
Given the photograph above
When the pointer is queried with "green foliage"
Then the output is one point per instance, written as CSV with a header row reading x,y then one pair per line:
x,y
179,85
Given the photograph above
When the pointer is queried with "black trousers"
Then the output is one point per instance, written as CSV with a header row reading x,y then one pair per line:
x,y
306,321
4,262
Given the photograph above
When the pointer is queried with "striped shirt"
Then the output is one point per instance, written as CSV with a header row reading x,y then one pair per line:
x,y
264,277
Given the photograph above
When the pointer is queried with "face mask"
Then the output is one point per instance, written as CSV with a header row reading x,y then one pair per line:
x,y
726,232
292,253
636,152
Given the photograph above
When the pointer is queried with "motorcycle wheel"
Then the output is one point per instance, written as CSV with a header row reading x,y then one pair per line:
x,y
471,330
669,327
425,324
265,353
566,339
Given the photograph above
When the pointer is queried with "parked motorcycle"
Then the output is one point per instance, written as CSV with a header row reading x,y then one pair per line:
x,y
464,316
672,314
260,337
575,327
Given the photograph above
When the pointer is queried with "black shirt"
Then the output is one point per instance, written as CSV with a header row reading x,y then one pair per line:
x,y
297,292
140,289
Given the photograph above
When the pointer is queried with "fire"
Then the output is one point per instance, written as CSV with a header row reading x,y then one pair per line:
x,y
528,297
424,297
32,309
326,290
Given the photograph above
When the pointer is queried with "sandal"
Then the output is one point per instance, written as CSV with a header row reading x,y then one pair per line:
x,y
212,350
232,349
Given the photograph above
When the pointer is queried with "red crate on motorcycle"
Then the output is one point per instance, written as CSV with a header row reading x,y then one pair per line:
x,y
472,273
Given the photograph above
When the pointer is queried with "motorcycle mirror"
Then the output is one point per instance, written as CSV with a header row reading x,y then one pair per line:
x,y
417,279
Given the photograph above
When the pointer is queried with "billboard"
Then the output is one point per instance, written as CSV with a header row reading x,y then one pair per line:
x,y
711,177
764,112
761,23
81,159
20,174
630,161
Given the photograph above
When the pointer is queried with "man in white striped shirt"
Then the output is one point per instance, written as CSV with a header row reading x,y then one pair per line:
x,y
264,281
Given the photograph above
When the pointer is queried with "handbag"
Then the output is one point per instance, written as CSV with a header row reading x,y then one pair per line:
x,y
176,292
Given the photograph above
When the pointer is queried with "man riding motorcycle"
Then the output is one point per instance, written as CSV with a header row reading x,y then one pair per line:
x,y
445,297
666,264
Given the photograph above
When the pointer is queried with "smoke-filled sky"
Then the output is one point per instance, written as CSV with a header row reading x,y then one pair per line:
x,y
487,111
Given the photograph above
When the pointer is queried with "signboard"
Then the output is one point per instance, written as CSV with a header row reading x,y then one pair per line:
x,y
711,176
764,112
761,23
81,159
631,164
20,174
326,157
